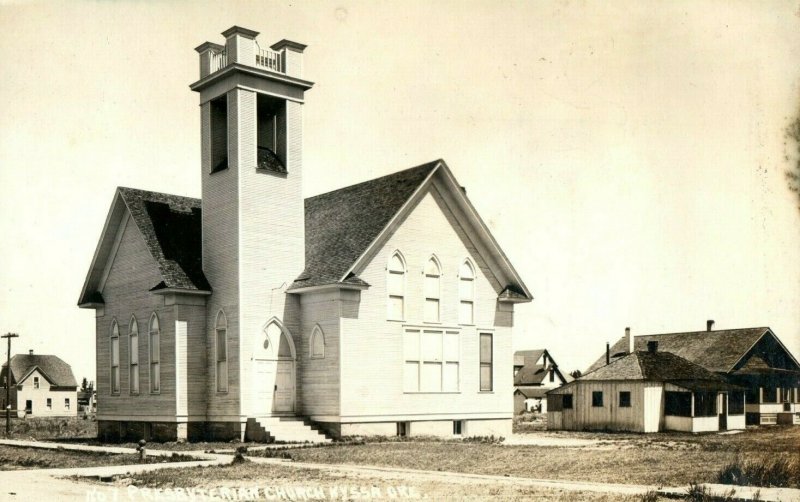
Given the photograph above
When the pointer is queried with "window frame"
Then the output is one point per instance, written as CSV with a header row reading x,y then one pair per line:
x,y
316,334
436,275
154,357
463,299
133,366
392,295
36,382
624,403
595,400
221,324
482,364
567,398
66,404
114,380
443,361
49,403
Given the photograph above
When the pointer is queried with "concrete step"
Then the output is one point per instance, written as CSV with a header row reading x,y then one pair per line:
x,y
285,429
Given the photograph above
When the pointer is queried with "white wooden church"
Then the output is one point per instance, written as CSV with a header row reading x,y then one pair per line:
x,y
380,308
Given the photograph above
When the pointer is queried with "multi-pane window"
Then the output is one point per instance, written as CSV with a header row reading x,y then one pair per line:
x,y
624,399
317,344
66,403
396,287
431,361
486,361
35,382
221,338
49,403
597,399
133,343
432,291
155,355
114,358
466,294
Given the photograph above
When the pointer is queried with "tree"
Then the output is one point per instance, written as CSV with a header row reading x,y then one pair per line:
x,y
793,137
84,383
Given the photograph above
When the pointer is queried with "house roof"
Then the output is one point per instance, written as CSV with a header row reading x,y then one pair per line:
x,y
521,356
53,368
657,366
340,225
717,350
531,391
533,373
172,231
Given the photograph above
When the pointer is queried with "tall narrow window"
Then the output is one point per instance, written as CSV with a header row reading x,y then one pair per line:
x,y
155,355
486,361
35,382
133,351
432,291
114,357
66,403
219,134
466,293
222,352
317,344
49,403
396,287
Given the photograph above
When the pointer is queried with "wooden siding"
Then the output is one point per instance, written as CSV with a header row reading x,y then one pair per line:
x,y
372,347
38,398
610,416
126,292
318,379
192,311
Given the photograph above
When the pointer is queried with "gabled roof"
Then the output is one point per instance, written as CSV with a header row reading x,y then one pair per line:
x,y
53,368
717,350
533,373
523,357
659,367
344,228
171,228
531,391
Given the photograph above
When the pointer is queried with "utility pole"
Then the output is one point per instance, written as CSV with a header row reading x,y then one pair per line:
x,y
8,336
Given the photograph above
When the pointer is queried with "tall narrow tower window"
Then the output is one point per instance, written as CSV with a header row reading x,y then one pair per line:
x,y
133,342
432,274
270,119
222,352
155,355
219,134
466,293
114,357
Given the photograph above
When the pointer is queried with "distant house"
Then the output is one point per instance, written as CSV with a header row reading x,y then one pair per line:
x,y
753,358
41,386
647,391
535,372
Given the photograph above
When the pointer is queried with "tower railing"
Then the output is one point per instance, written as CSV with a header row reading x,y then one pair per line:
x,y
219,60
269,59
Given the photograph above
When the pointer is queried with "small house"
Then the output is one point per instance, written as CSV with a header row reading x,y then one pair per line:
x,y
647,391
535,372
41,386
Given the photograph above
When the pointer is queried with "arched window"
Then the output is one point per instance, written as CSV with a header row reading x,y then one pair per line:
x,y
432,273
466,293
316,344
396,287
133,355
222,351
114,357
155,355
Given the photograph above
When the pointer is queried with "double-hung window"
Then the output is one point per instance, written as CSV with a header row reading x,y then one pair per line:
x,y
432,290
396,287
432,359
133,342
466,294
486,362
114,357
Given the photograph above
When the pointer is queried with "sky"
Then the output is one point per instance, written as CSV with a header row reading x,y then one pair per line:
x,y
628,156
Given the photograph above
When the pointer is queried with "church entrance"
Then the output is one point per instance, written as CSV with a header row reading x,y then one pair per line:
x,y
274,371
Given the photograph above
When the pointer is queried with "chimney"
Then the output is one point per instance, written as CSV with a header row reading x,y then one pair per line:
x,y
709,324
629,339
652,346
608,353
30,352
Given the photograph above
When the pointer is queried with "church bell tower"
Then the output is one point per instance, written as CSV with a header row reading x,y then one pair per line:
x,y
251,100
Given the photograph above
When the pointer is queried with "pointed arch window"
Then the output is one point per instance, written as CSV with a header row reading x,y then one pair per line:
x,y
133,355
221,337
317,344
155,355
396,287
466,293
433,274
114,357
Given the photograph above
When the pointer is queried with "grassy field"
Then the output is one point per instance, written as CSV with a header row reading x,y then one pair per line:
x,y
248,475
72,428
15,458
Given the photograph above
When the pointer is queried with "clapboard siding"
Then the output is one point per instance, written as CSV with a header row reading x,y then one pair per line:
x,y
610,416
220,262
318,379
372,347
133,272
196,357
38,397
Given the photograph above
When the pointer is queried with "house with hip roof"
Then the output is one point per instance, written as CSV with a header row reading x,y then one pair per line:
x,y
381,308
752,358
41,386
535,372
647,391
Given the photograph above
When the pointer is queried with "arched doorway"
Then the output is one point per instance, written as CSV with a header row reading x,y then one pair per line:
x,y
274,370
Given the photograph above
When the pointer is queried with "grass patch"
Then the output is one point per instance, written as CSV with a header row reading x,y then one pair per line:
x,y
53,428
17,457
529,422
777,470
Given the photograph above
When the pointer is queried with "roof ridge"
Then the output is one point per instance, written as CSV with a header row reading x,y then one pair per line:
x,y
716,331
143,191
430,164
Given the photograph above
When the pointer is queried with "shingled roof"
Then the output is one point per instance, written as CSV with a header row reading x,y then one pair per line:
x,y
717,350
340,225
660,367
53,368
